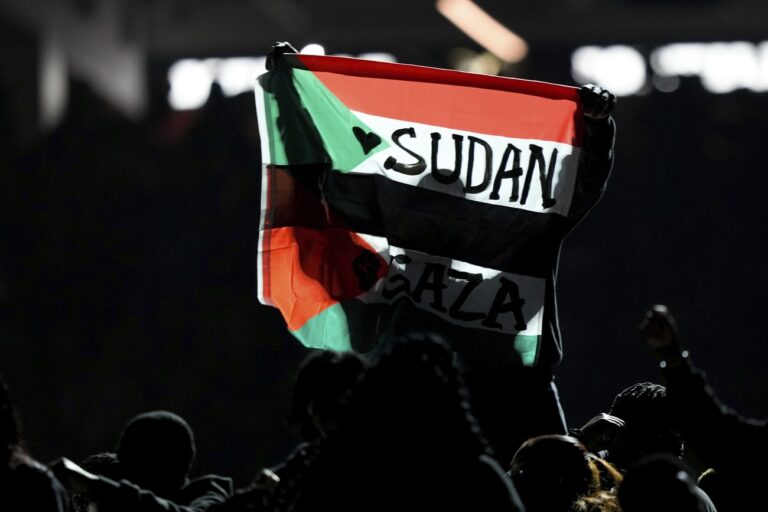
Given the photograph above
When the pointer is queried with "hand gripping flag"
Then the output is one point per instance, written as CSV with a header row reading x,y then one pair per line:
x,y
399,194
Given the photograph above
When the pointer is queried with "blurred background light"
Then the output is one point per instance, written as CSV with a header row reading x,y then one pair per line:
x,y
313,49
237,75
681,59
484,29
378,56
618,68
723,67
729,66
762,64
464,59
54,83
191,81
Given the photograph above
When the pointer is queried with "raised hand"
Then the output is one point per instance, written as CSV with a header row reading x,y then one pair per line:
x,y
596,102
276,51
658,329
599,431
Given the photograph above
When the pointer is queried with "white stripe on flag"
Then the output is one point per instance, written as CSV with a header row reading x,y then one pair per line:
x,y
408,268
419,140
265,157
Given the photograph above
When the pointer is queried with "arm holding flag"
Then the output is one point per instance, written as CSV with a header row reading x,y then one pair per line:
x,y
596,159
597,103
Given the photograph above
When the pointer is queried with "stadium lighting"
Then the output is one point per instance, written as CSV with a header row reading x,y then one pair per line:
x,y
313,49
236,75
484,29
190,81
730,66
722,67
678,59
379,56
621,69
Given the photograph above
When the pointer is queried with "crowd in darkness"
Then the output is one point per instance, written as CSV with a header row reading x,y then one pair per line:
x,y
396,432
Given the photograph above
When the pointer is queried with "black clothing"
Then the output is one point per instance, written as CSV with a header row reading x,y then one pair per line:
x,y
197,496
29,486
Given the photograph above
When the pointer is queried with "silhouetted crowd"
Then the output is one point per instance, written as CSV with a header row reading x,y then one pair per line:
x,y
398,433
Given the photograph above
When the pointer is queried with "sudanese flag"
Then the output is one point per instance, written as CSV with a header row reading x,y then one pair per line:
x,y
390,187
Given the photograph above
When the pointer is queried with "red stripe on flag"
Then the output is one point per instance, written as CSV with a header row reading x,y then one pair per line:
x,y
311,270
490,104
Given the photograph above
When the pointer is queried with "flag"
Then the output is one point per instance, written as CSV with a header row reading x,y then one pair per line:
x,y
394,192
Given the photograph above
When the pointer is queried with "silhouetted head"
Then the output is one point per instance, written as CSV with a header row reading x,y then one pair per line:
x,y
156,451
322,383
647,429
406,438
550,472
660,483
413,399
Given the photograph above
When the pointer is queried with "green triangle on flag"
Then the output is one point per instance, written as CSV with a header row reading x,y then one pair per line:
x,y
311,124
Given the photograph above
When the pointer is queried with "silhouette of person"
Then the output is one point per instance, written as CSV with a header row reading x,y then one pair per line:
x,y
407,441
322,383
155,453
556,473
661,483
647,425
719,436
320,393
24,483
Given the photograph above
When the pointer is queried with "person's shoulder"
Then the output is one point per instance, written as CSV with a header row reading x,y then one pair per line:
x,y
29,470
36,485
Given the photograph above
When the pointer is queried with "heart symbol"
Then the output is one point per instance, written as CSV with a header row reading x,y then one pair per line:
x,y
366,267
368,141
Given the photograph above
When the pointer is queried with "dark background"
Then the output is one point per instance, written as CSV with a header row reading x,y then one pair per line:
x,y
127,234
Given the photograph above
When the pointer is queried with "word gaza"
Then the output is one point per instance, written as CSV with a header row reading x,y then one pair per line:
x,y
464,297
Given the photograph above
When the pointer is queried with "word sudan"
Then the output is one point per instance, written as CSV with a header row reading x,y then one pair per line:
x,y
480,168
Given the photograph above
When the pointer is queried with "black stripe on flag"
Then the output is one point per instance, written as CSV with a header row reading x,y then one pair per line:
x,y
491,236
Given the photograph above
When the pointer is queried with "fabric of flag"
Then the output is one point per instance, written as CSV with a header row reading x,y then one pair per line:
x,y
395,193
